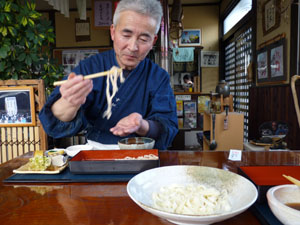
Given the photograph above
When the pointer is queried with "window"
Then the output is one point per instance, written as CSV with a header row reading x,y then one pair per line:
x,y
237,57
238,12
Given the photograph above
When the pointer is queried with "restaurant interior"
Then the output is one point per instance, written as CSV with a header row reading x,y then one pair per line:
x,y
233,66
228,55
236,71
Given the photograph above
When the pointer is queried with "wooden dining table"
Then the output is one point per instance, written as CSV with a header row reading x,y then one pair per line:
x,y
107,203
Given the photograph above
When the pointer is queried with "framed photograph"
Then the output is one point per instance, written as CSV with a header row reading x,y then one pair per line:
x,y
278,61
271,16
17,106
209,59
262,66
271,63
102,12
190,37
190,114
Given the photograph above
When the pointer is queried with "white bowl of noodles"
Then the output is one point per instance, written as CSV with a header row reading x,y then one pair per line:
x,y
229,194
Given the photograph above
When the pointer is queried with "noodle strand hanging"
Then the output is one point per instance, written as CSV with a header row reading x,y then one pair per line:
x,y
112,78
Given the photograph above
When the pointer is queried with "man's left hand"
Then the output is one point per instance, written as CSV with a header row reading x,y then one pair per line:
x,y
134,123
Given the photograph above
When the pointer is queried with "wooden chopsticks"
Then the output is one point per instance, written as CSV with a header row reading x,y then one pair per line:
x,y
91,76
292,179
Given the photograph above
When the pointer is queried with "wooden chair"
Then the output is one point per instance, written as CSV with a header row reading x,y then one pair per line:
x,y
15,141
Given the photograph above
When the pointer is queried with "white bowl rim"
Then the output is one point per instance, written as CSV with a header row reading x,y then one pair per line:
x,y
146,138
174,215
271,196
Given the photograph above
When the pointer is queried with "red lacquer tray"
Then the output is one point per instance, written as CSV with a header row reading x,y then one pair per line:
x,y
265,177
113,161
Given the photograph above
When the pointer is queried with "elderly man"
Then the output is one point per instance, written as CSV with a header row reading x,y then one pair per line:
x,y
144,104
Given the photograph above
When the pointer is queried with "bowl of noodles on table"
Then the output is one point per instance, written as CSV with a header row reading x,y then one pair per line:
x,y
192,194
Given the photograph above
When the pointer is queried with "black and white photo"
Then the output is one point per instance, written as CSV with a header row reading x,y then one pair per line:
x,y
209,59
17,106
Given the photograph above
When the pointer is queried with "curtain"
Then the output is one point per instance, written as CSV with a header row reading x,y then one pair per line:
x,y
63,7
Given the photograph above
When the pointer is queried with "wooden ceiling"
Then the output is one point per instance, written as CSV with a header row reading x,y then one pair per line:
x,y
43,5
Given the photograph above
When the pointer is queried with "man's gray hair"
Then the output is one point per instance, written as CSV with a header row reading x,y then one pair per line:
x,y
150,8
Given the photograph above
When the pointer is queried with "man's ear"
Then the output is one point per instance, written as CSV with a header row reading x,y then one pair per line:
x,y
112,32
154,40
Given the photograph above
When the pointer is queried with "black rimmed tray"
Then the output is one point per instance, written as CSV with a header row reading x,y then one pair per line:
x,y
67,177
113,161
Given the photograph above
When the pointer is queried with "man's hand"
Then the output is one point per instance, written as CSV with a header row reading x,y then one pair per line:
x,y
134,123
73,95
76,89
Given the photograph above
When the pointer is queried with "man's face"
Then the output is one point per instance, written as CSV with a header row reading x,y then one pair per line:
x,y
133,37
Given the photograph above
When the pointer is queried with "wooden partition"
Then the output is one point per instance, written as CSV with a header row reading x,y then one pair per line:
x,y
15,141
226,138
270,103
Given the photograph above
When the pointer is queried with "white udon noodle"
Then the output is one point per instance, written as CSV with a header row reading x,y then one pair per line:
x,y
143,157
112,78
191,199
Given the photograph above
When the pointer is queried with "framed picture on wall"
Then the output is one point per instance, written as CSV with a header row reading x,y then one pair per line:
x,y
209,59
17,106
190,37
102,14
271,16
262,66
277,61
271,63
82,30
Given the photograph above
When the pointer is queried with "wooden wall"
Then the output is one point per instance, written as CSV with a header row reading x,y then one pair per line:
x,y
274,103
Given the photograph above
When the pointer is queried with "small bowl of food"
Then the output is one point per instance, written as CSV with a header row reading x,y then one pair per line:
x,y
284,202
136,143
192,194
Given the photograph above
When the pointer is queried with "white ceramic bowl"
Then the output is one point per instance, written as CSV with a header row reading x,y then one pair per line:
x,y
136,143
74,149
241,192
280,195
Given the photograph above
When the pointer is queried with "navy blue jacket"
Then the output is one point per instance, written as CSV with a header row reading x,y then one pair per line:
x,y
146,91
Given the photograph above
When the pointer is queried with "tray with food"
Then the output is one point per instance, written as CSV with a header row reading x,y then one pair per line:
x,y
114,161
49,162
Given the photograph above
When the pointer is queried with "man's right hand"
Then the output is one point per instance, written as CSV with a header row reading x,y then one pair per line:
x,y
73,95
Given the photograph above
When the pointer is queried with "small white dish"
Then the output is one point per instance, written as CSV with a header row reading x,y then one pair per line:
x,y
58,160
280,195
74,149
